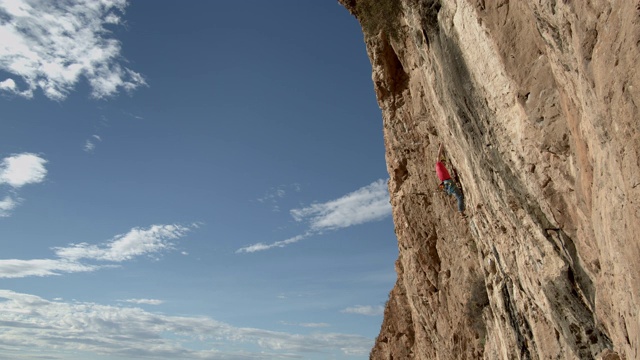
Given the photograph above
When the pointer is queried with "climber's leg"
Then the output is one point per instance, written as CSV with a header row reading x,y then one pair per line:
x,y
452,189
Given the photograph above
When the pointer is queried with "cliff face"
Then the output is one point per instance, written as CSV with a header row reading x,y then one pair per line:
x,y
537,105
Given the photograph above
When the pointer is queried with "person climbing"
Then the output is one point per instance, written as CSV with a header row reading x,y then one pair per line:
x,y
447,183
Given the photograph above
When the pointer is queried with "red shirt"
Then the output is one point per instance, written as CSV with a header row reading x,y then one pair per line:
x,y
442,172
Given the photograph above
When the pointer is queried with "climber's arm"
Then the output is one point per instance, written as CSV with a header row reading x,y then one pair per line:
x,y
439,153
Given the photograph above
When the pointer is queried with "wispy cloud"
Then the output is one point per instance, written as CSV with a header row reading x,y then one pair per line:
x,y
90,144
144,301
314,325
6,205
277,244
274,195
16,171
30,322
137,242
15,268
307,325
50,45
127,246
367,204
367,310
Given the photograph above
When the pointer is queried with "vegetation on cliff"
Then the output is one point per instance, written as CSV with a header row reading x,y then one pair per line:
x,y
379,15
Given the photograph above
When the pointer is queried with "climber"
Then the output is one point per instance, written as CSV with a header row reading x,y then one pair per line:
x,y
447,183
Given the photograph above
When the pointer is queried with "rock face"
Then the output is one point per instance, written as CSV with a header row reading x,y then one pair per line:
x,y
536,103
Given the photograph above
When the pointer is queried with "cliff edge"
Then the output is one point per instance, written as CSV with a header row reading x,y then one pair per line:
x,y
536,103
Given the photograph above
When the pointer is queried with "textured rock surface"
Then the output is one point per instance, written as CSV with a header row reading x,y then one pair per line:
x,y
537,105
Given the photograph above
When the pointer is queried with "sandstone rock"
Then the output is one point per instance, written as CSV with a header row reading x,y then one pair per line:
x,y
537,105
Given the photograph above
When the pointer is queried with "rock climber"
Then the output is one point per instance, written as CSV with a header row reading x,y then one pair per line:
x,y
447,183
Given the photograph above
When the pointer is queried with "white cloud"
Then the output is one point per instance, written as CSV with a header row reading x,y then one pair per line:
x,y
370,203
367,204
16,171
8,85
314,325
90,144
273,195
144,301
127,246
31,323
6,205
277,244
136,242
307,325
21,169
367,310
15,268
50,45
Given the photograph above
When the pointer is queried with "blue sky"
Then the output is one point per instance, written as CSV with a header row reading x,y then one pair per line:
x,y
190,180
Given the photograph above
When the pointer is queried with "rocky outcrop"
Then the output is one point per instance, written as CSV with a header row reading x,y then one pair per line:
x,y
537,105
